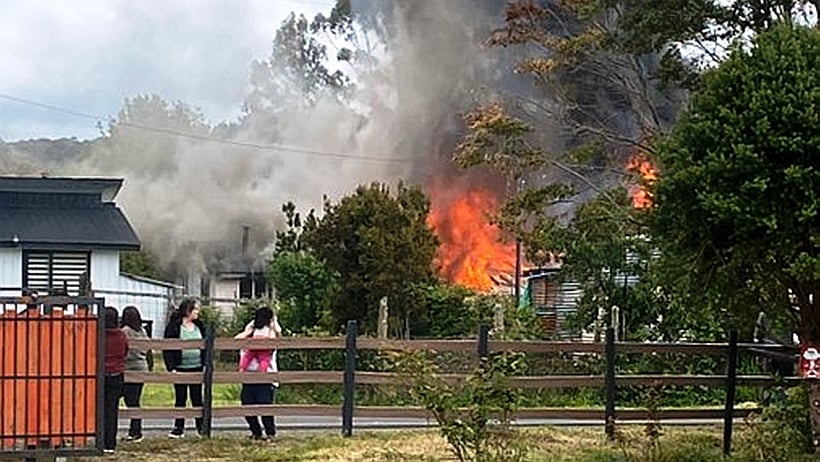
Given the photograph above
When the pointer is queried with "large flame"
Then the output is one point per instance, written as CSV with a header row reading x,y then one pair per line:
x,y
471,252
640,164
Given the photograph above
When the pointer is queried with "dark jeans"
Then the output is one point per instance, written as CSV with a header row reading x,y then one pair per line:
x,y
259,393
112,390
181,393
132,392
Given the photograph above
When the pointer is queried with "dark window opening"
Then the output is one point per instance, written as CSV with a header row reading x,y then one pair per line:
x,y
50,272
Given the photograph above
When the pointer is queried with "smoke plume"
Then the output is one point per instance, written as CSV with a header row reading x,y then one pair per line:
x,y
188,197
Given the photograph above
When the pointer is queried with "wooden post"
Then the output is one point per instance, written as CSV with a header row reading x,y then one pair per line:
x,y
349,379
208,379
609,413
498,320
483,341
383,316
731,383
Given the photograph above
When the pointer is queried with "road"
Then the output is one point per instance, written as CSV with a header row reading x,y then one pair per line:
x,y
334,424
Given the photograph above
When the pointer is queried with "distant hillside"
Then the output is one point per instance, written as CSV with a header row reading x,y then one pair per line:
x,y
46,151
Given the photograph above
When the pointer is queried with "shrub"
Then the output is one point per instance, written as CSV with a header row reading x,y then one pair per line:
x,y
781,432
473,415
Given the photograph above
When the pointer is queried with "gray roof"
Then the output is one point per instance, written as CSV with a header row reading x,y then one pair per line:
x,y
63,214
107,188
80,228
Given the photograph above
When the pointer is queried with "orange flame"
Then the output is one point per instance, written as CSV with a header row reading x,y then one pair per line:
x,y
471,251
641,196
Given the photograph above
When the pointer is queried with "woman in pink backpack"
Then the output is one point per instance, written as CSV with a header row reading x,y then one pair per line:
x,y
262,390
261,327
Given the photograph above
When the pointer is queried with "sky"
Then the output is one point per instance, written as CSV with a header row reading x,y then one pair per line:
x,y
89,56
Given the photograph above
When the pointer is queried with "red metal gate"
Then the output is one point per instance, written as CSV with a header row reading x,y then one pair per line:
x,y
51,376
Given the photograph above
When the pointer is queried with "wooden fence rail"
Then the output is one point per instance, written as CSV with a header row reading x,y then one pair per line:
x,y
482,346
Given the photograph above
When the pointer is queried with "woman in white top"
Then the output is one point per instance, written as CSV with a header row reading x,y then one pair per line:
x,y
263,392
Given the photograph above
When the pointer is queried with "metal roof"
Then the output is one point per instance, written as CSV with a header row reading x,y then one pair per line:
x,y
107,188
103,226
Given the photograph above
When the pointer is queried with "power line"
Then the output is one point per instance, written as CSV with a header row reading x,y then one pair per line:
x,y
244,144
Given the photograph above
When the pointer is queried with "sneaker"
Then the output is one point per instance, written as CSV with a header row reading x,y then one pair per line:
x,y
257,438
176,434
271,435
133,438
108,451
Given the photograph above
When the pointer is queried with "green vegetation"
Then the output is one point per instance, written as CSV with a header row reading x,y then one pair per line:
x,y
545,444
736,206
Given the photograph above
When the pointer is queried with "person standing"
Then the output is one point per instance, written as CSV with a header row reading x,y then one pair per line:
x,y
116,349
261,392
185,325
138,360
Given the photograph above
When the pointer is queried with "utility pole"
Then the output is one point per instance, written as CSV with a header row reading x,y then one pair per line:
x,y
517,279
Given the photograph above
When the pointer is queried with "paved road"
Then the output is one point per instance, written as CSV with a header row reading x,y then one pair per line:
x,y
334,424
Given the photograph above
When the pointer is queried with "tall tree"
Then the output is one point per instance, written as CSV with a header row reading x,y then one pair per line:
x,y
738,196
145,134
380,245
737,205
297,72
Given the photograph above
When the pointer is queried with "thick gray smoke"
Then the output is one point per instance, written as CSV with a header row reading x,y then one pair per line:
x,y
190,197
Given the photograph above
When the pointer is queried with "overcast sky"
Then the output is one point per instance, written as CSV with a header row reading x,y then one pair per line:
x,y
88,56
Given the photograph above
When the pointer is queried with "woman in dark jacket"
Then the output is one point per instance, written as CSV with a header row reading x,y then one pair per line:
x,y
185,325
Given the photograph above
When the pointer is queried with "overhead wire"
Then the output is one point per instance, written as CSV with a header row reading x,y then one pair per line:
x,y
212,139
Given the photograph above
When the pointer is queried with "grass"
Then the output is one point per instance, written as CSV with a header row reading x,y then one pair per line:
x,y
691,444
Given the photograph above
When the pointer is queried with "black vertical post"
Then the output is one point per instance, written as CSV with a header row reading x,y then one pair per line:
x,y
731,382
483,341
208,383
349,379
100,388
609,413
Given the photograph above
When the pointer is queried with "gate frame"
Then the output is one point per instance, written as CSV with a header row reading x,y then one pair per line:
x,y
46,304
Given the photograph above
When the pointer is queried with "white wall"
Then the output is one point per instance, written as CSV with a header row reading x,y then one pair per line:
x,y
105,269
11,271
224,289
153,300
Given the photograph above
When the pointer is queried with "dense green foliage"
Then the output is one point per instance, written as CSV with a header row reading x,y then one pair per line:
x,y
139,263
379,245
305,289
737,202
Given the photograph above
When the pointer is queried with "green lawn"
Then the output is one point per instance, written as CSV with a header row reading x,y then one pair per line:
x,y
162,395
544,444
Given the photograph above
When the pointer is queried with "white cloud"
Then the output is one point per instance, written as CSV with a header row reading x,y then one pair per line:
x,y
89,56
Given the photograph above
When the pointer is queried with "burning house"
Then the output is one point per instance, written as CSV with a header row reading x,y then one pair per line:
x,y
227,274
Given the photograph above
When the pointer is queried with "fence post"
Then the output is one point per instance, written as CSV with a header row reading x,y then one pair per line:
x,y
609,413
483,341
208,383
731,383
349,379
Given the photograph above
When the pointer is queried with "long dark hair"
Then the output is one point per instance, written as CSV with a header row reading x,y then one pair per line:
x,y
111,317
185,308
131,318
262,318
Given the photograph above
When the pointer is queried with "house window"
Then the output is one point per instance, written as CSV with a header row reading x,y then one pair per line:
x,y
245,287
46,272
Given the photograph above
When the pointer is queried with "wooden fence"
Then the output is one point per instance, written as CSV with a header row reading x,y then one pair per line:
x,y
482,346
